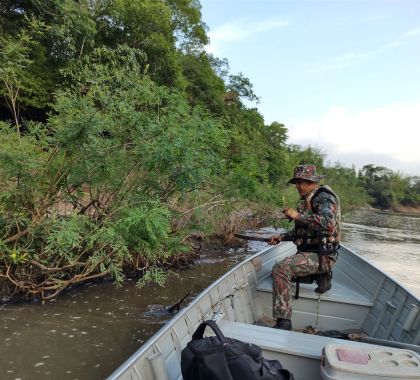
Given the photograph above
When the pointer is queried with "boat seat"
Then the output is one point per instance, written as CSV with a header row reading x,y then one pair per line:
x,y
300,353
308,279
339,292
283,341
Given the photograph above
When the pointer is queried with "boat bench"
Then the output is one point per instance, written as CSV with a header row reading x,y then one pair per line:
x,y
294,350
337,293
339,308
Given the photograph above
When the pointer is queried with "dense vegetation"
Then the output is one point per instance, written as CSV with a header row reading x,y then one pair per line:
x,y
120,136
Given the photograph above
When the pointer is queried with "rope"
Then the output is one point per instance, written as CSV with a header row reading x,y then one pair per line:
x,y
317,311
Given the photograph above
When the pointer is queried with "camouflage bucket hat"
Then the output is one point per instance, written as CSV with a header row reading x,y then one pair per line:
x,y
306,172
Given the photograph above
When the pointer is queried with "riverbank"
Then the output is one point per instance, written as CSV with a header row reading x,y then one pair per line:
x,y
407,210
400,209
201,247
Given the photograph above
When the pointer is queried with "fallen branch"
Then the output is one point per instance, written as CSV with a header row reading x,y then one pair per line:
x,y
16,236
55,269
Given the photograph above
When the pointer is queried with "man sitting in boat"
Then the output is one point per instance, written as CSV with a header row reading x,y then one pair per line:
x,y
316,234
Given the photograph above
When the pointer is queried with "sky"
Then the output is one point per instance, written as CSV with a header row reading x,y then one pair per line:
x,y
342,76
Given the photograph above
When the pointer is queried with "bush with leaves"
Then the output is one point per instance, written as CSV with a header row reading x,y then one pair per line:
x,y
91,193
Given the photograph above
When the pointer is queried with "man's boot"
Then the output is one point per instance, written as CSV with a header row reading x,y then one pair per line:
x,y
283,324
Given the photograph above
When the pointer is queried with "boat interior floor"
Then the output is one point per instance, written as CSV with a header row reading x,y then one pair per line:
x,y
311,330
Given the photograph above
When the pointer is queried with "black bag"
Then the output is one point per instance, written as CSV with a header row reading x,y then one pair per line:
x,y
221,358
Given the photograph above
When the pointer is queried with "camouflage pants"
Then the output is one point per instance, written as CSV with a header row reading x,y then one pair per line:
x,y
301,264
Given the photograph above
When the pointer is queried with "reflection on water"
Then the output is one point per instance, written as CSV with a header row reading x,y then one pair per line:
x,y
88,333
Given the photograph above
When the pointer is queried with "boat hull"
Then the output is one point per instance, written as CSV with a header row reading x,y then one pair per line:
x,y
362,298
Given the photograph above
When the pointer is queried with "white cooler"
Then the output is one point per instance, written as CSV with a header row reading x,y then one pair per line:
x,y
340,362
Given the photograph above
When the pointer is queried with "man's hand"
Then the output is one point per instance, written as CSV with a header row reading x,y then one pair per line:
x,y
291,213
275,239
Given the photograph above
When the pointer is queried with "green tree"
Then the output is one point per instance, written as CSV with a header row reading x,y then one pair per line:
x,y
22,82
190,30
163,30
398,185
50,34
377,182
276,151
412,192
346,184
203,86
242,87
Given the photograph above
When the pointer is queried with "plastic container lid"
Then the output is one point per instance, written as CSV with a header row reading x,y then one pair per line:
x,y
369,362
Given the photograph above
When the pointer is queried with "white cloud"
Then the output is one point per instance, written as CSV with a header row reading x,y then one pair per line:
x,y
355,58
240,30
377,17
387,136
411,33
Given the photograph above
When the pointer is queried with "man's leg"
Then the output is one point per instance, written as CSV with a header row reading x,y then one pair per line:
x,y
302,264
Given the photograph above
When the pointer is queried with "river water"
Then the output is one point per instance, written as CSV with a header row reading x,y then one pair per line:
x,y
87,333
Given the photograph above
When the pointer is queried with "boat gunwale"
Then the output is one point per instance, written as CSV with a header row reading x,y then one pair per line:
x,y
402,286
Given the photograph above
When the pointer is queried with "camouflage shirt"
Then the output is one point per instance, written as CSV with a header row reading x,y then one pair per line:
x,y
319,218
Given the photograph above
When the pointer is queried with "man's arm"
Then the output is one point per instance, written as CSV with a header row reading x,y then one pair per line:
x,y
274,239
286,236
325,219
